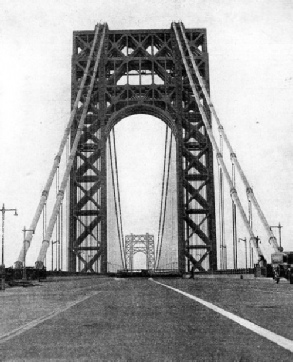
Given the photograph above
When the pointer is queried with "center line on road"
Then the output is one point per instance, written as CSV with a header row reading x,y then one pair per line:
x,y
271,336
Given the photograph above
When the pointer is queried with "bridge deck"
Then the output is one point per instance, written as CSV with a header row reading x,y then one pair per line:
x,y
106,319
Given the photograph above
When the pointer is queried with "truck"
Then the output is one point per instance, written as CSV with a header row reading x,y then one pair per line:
x,y
282,264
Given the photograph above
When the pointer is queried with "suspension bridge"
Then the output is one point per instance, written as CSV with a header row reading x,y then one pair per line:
x,y
206,201
165,74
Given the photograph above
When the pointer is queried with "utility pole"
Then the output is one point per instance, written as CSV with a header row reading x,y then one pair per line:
x,y
251,254
245,243
55,242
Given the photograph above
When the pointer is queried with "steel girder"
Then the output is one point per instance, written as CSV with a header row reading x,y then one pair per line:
x,y
141,71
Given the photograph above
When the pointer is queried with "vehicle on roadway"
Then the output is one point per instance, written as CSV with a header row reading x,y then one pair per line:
x,y
282,264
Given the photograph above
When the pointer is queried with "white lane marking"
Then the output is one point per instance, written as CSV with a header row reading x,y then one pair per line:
x,y
271,336
15,332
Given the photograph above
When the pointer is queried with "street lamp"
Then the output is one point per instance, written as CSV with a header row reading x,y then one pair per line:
x,y
257,241
278,227
245,242
24,267
3,265
55,242
251,252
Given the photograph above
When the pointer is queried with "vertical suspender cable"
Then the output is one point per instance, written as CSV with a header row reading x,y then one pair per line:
x,y
54,242
29,234
115,203
119,200
234,221
165,198
78,223
162,196
250,213
251,225
233,191
61,238
221,213
46,241
67,203
52,259
79,219
59,231
44,223
220,216
57,224
86,256
249,191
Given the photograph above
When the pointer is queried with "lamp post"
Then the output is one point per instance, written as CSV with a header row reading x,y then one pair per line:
x,y
278,227
245,243
55,242
251,253
2,260
24,267
257,241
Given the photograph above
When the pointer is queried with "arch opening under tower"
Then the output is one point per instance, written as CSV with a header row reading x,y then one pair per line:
x,y
140,142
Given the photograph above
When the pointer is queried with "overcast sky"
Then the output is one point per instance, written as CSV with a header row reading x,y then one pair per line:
x,y
250,46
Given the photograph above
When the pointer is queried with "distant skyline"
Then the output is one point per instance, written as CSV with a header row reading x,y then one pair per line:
x,y
250,45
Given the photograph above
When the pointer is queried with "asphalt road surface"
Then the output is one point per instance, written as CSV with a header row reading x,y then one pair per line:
x,y
107,319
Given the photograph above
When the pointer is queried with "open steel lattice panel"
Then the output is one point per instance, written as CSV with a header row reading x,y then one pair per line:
x,y
141,72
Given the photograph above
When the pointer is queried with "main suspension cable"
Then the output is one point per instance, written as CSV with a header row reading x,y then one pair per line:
x,y
46,241
249,191
206,122
45,193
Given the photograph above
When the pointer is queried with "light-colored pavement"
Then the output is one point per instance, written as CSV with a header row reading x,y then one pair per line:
x,y
20,306
104,319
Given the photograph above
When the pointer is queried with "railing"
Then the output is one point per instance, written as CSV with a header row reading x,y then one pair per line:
x,y
234,271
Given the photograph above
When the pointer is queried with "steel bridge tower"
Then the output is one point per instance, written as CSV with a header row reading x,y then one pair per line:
x,y
140,243
141,72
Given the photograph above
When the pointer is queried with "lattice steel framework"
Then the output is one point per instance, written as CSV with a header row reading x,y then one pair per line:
x,y
141,72
140,243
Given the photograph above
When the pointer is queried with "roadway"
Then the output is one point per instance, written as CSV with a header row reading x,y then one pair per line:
x,y
108,319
